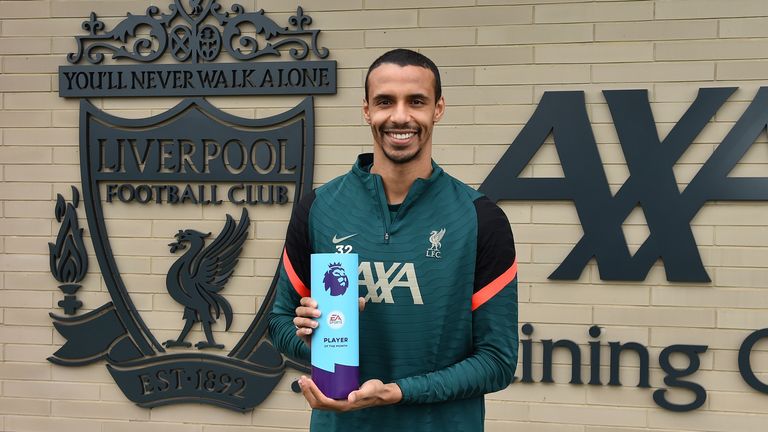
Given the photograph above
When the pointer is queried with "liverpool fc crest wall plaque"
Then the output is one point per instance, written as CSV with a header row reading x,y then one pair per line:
x,y
200,179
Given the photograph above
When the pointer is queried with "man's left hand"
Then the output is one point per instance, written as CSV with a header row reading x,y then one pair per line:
x,y
371,393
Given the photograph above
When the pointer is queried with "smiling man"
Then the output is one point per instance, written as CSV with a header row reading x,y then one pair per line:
x,y
437,273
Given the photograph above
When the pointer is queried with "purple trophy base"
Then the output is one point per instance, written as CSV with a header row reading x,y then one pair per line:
x,y
337,385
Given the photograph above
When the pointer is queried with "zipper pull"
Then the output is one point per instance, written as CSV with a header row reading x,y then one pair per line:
x,y
386,237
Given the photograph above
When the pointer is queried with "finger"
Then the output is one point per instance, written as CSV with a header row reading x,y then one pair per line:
x,y
305,391
308,301
361,303
308,312
300,322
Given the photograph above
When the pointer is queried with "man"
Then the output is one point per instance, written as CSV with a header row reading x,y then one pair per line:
x,y
437,271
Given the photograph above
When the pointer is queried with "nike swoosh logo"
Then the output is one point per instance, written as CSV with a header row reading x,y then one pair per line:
x,y
339,240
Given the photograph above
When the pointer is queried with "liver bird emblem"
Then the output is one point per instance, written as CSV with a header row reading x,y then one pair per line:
x,y
434,238
197,277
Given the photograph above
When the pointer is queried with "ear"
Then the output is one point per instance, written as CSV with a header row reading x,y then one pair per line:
x,y
366,113
439,109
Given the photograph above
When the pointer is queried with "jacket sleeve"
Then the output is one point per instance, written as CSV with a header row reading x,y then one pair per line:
x,y
292,282
491,365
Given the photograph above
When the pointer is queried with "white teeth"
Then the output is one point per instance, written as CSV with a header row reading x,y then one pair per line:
x,y
403,135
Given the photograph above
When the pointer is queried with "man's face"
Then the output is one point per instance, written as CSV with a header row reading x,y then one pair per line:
x,y
402,111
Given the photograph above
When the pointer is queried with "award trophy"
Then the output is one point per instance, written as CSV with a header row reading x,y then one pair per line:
x,y
335,341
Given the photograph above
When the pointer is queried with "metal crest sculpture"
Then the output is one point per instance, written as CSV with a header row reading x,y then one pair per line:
x,y
195,40
193,154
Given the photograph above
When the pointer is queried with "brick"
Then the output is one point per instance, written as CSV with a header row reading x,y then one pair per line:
x,y
25,334
45,137
695,296
534,34
736,402
452,155
742,318
709,421
23,227
644,72
28,317
104,410
735,277
737,49
659,316
505,426
51,390
129,228
201,414
614,294
26,9
742,70
594,12
532,74
600,52
741,235
32,64
18,262
25,191
24,406
65,155
338,117
503,114
743,27
50,173
29,83
271,230
364,20
29,281
480,56
476,16
710,9
25,299
24,119
491,95
38,45
656,30
734,256
590,415
418,37
457,76
25,371
714,338
565,314
45,424
47,27
341,39
145,426
81,9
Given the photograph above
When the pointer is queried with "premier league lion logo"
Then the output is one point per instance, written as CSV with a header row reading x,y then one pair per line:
x,y
336,280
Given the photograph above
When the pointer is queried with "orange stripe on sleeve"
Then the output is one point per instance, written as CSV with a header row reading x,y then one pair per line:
x,y
298,285
487,292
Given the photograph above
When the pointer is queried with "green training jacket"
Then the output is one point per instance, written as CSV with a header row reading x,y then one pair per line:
x,y
439,276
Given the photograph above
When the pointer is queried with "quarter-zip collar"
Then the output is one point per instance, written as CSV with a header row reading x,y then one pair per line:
x,y
375,186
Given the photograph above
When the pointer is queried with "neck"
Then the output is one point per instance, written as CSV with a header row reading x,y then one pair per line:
x,y
398,178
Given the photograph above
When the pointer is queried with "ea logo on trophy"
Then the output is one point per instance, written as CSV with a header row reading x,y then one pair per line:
x,y
216,171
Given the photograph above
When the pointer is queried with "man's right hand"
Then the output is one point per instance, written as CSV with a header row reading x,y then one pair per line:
x,y
307,313
305,321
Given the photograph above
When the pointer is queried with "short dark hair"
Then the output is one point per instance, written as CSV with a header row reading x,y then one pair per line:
x,y
405,57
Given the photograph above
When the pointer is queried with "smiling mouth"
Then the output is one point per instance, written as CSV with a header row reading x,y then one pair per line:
x,y
401,136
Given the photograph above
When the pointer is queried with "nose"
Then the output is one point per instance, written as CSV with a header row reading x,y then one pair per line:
x,y
401,114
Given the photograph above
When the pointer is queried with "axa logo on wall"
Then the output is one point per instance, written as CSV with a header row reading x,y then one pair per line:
x,y
194,155
652,186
